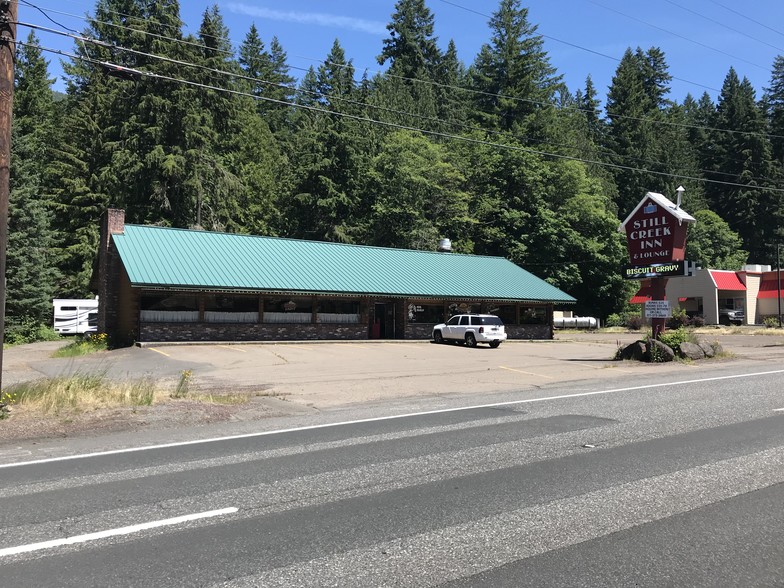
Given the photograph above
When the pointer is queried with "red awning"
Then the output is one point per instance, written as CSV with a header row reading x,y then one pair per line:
x,y
770,288
727,280
643,295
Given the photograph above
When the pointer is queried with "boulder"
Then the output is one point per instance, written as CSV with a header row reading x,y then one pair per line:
x,y
659,352
635,351
691,351
707,349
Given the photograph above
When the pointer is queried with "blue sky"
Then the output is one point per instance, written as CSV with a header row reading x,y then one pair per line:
x,y
701,39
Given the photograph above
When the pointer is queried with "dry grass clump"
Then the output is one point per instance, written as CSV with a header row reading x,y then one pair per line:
x,y
82,393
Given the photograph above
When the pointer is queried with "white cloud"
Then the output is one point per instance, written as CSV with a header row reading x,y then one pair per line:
x,y
313,18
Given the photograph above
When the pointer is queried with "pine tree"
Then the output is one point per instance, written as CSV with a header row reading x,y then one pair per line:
x,y
774,101
635,111
414,57
517,85
742,155
411,48
330,154
31,273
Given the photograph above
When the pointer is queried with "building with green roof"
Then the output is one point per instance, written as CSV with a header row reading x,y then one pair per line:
x,y
163,284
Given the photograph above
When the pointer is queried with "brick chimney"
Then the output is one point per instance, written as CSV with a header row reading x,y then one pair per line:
x,y
112,223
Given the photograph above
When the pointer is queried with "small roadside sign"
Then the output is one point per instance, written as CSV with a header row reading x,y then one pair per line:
x,y
657,309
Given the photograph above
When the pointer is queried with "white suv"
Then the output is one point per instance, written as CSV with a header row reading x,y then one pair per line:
x,y
471,329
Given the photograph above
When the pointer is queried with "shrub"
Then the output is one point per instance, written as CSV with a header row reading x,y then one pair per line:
x,y
698,321
614,320
771,322
183,385
673,339
6,400
27,330
634,322
678,319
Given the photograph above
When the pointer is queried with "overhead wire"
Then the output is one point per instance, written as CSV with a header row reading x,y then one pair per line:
x,y
679,36
580,47
359,118
462,89
332,98
90,19
473,91
737,13
236,75
721,24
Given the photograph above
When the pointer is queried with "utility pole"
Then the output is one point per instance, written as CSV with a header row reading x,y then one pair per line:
x,y
778,277
8,17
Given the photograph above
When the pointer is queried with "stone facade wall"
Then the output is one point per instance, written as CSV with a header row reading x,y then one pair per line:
x,y
529,331
419,331
425,331
170,332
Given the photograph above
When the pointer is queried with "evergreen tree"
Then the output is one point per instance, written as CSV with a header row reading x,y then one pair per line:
x,y
589,106
451,77
31,274
516,84
270,80
414,59
635,111
742,155
331,152
411,48
774,101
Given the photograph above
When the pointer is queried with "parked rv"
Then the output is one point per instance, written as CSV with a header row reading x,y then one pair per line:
x,y
75,316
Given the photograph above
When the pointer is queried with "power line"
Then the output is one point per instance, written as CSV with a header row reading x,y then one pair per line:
x,y
90,20
721,24
450,87
658,28
580,47
347,100
762,24
141,73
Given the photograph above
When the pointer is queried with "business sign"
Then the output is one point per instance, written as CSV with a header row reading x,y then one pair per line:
x,y
656,270
654,233
657,309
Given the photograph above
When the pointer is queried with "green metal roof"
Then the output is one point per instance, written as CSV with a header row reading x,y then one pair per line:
x,y
178,258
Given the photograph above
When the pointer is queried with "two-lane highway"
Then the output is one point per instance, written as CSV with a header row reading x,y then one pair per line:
x,y
668,483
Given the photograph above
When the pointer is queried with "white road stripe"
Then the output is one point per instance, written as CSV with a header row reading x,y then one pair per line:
x,y
385,418
114,532
450,553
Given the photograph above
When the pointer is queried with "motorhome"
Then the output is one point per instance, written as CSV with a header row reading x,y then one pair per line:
x,y
74,316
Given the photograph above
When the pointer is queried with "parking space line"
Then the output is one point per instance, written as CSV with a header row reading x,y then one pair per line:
x,y
233,348
527,373
159,351
604,367
778,410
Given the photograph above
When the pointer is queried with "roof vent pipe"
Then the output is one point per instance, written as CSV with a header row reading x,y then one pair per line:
x,y
680,192
445,246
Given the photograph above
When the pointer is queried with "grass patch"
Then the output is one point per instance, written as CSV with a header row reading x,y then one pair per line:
x,y
90,343
82,393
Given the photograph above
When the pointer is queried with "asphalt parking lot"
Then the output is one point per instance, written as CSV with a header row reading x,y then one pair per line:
x,y
324,374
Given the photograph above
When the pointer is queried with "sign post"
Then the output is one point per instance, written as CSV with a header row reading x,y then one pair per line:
x,y
656,240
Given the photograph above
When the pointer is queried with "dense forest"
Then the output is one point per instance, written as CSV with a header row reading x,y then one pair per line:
x,y
498,155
